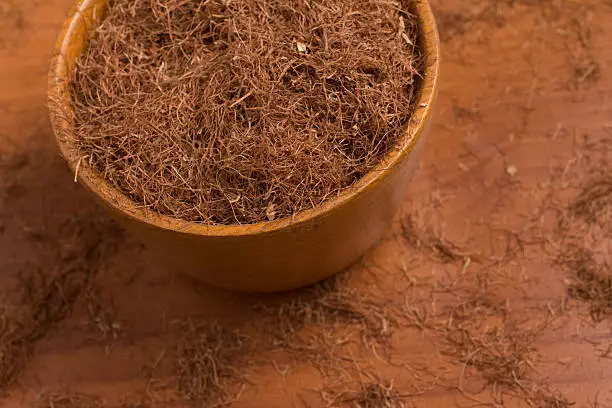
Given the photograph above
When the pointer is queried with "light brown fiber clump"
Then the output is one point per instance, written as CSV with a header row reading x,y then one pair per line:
x,y
242,111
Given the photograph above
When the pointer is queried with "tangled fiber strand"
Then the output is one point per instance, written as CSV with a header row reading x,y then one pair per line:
x,y
208,358
242,111
48,293
377,393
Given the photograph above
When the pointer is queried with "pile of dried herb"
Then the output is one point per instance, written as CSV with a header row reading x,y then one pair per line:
x,y
242,111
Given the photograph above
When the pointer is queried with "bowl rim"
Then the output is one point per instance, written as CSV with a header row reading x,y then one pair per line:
x,y
116,200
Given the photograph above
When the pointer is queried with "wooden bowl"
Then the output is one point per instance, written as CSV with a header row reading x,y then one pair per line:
x,y
269,256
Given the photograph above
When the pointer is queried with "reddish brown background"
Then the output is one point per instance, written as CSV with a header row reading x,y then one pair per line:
x,y
521,87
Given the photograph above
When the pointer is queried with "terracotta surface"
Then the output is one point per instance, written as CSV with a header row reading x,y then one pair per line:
x,y
520,90
266,257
